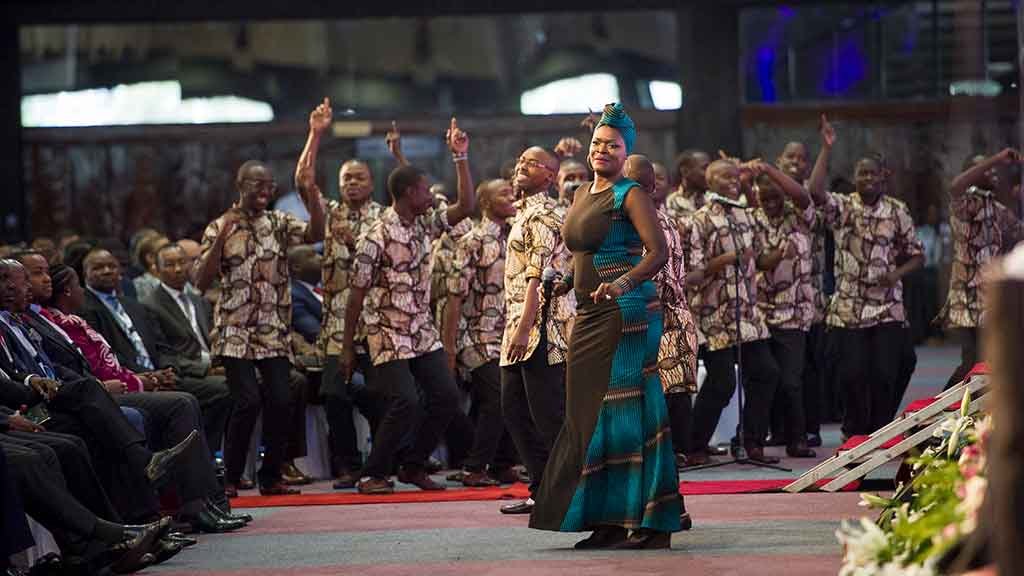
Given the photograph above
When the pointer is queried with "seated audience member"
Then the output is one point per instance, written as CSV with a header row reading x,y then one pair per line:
x,y
66,237
149,280
48,248
32,475
184,320
307,299
135,267
191,248
174,416
77,405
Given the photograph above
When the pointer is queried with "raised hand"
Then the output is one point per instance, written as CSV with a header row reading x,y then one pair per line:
x,y
1009,156
568,148
393,139
458,141
828,133
321,116
589,122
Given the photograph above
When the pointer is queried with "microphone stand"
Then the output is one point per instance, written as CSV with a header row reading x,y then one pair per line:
x,y
738,451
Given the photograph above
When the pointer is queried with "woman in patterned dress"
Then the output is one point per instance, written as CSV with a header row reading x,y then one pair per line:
x,y
612,468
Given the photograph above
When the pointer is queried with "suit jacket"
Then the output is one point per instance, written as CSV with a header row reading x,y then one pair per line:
x,y
307,312
103,321
13,391
179,345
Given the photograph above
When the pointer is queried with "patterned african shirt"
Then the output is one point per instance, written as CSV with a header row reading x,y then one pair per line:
x,y
252,319
679,205
713,228
478,275
786,294
677,352
869,242
338,260
818,231
535,243
392,263
442,259
982,228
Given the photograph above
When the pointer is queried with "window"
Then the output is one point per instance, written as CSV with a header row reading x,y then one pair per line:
x,y
666,95
589,92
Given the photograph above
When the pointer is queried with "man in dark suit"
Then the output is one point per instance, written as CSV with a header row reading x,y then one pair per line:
x,y
307,304
183,320
15,535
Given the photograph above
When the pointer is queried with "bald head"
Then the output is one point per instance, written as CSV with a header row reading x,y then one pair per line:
x,y
640,169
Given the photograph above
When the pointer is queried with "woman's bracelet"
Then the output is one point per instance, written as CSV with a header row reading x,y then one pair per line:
x,y
460,157
624,283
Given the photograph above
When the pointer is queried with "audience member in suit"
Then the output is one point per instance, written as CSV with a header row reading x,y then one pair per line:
x,y
183,319
15,535
307,303
173,416
149,281
78,405
39,479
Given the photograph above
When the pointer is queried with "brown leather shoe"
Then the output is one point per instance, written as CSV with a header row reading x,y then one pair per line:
x,y
756,453
418,478
374,486
800,450
698,458
244,484
346,479
506,476
478,480
231,491
646,539
292,476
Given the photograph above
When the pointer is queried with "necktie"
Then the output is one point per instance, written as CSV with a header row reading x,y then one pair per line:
x,y
141,355
40,358
190,314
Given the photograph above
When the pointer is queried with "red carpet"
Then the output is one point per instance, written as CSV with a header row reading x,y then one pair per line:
x,y
516,491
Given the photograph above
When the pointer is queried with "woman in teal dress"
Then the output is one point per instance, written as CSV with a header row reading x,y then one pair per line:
x,y
612,469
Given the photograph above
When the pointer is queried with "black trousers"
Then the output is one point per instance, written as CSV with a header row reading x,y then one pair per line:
x,y
970,354
295,444
485,382
339,399
15,535
680,417
170,417
268,394
533,407
73,456
789,350
403,382
119,453
814,378
760,378
869,374
44,489
215,403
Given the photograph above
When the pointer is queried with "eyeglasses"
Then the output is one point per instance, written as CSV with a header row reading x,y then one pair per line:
x,y
257,184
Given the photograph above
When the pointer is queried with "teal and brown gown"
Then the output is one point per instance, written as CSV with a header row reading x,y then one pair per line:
x,y
612,463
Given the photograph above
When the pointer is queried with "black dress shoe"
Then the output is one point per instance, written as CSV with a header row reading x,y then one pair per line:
x,y
716,450
603,537
813,440
800,450
774,440
161,461
524,507
221,513
166,549
685,521
185,541
646,539
208,522
756,453
136,549
346,479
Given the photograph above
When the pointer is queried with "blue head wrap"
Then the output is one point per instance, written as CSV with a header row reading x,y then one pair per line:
x,y
614,115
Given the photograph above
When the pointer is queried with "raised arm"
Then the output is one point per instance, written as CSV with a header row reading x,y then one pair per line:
x,y
394,141
207,266
458,143
976,174
820,171
790,187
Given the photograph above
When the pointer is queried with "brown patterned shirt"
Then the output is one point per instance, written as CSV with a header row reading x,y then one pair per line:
x,y
786,294
681,209
478,275
869,240
442,259
818,231
535,243
713,228
392,263
338,260
677,352
679,205
982,228
252,319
